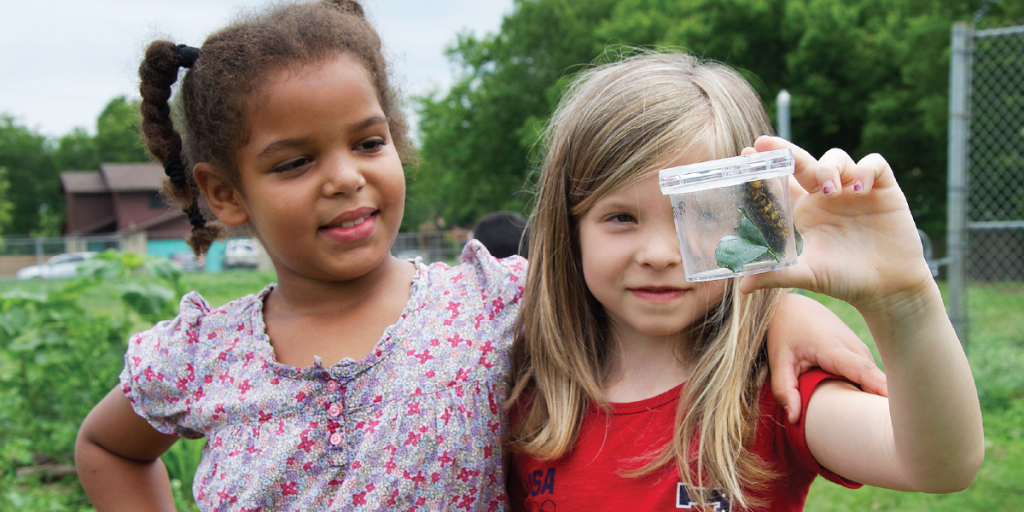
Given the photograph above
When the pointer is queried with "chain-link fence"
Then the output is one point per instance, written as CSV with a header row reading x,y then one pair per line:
x,y
27,257
986,182
21,253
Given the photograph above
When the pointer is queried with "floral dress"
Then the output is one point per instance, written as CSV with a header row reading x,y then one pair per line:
x,y
416,425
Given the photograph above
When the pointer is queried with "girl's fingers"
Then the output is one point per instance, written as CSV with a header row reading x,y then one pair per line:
x,y
796,276
786,389
835,169
873,169
795,190
805,165
870,378
834,172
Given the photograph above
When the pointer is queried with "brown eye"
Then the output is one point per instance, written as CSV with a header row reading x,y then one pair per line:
x,y
292,164
371,145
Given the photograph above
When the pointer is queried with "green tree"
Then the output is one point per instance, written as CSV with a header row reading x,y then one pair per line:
x,y
118,136
6,206
477,137
865,75
30,171
76,151
34,163
117,139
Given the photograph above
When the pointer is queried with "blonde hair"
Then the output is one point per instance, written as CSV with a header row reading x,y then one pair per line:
x,y
615,123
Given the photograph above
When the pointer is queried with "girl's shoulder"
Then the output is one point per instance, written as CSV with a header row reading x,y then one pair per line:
x,y
785,443
171,365
477,270
197,320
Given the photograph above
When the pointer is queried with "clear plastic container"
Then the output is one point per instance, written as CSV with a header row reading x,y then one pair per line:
x,y
733,216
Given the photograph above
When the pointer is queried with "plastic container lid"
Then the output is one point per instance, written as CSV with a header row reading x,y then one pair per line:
x,y
726,172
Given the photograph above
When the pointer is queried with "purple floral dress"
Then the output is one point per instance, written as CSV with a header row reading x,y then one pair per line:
x,y
416,425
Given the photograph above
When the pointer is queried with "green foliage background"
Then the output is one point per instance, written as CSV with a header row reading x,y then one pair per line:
x,y
6,204
62,348
34,163
864,75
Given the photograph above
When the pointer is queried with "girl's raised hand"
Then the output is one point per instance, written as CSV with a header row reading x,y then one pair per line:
x,y
860,241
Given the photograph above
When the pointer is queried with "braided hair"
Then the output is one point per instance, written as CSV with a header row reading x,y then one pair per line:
x,y
221,78
159,71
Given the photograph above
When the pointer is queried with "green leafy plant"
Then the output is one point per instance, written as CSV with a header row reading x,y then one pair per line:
x,y
748,245
61,350
181,462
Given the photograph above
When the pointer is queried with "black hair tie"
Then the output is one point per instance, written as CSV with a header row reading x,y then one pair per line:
x,y
175,170
187,55
195,217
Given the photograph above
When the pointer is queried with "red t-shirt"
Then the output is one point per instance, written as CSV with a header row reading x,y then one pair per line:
x,y
590,476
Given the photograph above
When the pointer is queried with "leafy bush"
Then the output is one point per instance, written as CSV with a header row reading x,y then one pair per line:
x,y
61,351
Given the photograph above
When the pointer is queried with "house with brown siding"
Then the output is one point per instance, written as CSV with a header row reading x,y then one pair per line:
x,y
120,199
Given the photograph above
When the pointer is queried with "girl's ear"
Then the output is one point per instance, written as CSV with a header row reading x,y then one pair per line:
x,y
225,199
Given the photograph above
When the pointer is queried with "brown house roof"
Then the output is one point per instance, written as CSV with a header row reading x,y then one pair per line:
x,y
132,177
114,178
82,182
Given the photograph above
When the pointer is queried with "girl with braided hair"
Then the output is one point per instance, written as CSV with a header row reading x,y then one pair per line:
x,y
358,380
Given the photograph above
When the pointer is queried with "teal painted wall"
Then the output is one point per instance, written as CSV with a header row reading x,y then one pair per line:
x,y
215,256
167,248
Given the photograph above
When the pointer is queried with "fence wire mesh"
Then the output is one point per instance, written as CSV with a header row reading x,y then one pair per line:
x,y
995,183
17,254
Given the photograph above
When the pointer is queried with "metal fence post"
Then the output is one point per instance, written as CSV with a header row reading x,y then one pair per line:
x,y
782,109
959,125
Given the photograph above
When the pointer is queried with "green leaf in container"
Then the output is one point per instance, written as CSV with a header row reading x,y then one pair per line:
x,y
749,231
733,252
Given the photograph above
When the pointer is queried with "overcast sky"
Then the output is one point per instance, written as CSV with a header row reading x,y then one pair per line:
x,y
63,60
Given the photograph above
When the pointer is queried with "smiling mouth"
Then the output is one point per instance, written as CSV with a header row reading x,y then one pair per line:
x,y
355,222
349,223
658,294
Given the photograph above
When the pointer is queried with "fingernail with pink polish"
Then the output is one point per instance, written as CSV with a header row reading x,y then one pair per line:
x,y
828,187
858,186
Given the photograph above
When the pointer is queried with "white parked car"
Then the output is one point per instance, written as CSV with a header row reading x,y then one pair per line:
x,y
61,266
241,253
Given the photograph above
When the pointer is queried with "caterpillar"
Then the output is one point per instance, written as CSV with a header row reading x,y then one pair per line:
x,y
766,214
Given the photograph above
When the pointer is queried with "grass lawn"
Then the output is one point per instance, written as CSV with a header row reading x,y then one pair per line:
x,y
996,353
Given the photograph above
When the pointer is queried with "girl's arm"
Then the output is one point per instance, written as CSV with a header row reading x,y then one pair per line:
x,y
117,455
804,334
861,246
928,435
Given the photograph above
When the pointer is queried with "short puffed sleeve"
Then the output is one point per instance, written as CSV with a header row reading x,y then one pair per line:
x,y
159,372
795,435
501,279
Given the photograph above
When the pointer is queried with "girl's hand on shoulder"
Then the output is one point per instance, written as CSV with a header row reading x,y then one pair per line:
x,y
805,334
860,241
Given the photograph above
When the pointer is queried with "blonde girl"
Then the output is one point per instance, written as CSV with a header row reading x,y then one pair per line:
x,y
357,381
637,390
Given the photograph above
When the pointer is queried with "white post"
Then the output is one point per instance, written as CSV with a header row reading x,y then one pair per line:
x,y
782,106
956,223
